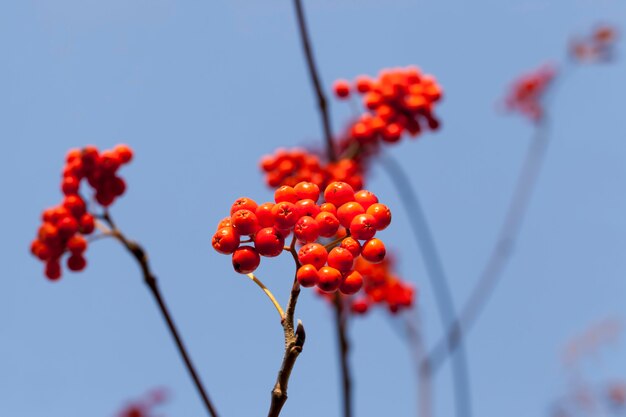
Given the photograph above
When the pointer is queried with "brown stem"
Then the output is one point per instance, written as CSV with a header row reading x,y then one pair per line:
x,y
294,340
344,347
313,73
150,279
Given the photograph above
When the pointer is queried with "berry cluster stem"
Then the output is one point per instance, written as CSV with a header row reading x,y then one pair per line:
x,y
294,341
151,281
268,293
341,321
315,79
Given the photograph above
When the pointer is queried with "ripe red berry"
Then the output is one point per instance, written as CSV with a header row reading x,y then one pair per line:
x,y
338,193
76,262
352,245
70,185
341,88
243,203
286,193
87,224
245,222
75,205
373,250
307,207
314,254
307,230
362,227
246,260
329,207
269,242
307,275
351,283
77,244
348,211
329,279
307,191
359,306
124,153
365,198
53,269
328,224
225,222
285,215
381,215
341,259
225,240
264,215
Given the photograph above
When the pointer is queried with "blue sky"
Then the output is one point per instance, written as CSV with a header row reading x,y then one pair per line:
x,y
201,90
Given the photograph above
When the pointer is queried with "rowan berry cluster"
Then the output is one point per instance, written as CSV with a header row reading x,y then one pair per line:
x,y
598,46
400,100
64,226
527,93
331,235
289,167
382,286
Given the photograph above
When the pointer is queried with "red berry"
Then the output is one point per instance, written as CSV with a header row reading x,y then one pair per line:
x,y
307,207
87,224
124,153
328,224
76,262
341,259
286,193
307,191
75,205
225,222
338,193
269,242
77,244
67,226
307,275
352,283
359,306
285,215
53,269
225,240
348,211
245,222
70,185
329,279
381,215
329,207
362,227
264,215
341,88
365,198
246,260
373,250
352,245
314,254
306,229
243,203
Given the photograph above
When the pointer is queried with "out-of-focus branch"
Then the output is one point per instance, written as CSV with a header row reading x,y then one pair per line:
x,y
341,321
502,250
150,279
436,274
315,79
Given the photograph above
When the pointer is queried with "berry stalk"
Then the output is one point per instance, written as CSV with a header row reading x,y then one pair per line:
x,y
150,279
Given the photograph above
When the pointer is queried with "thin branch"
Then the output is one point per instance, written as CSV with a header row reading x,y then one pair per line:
x,y
268,293
151,281
315,79
341,319
294,341
437,276
502,250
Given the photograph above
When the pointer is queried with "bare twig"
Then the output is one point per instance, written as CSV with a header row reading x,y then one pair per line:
x,y
437,276
150,280
315,79
341,319
502,250
294,341
268,293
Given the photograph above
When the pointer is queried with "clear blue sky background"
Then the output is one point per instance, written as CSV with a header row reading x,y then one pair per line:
x,y
201,89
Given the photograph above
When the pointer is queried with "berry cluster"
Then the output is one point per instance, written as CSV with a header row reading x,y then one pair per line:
x,y
526,94
64,226
400,100
348,220
598,46
289,167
